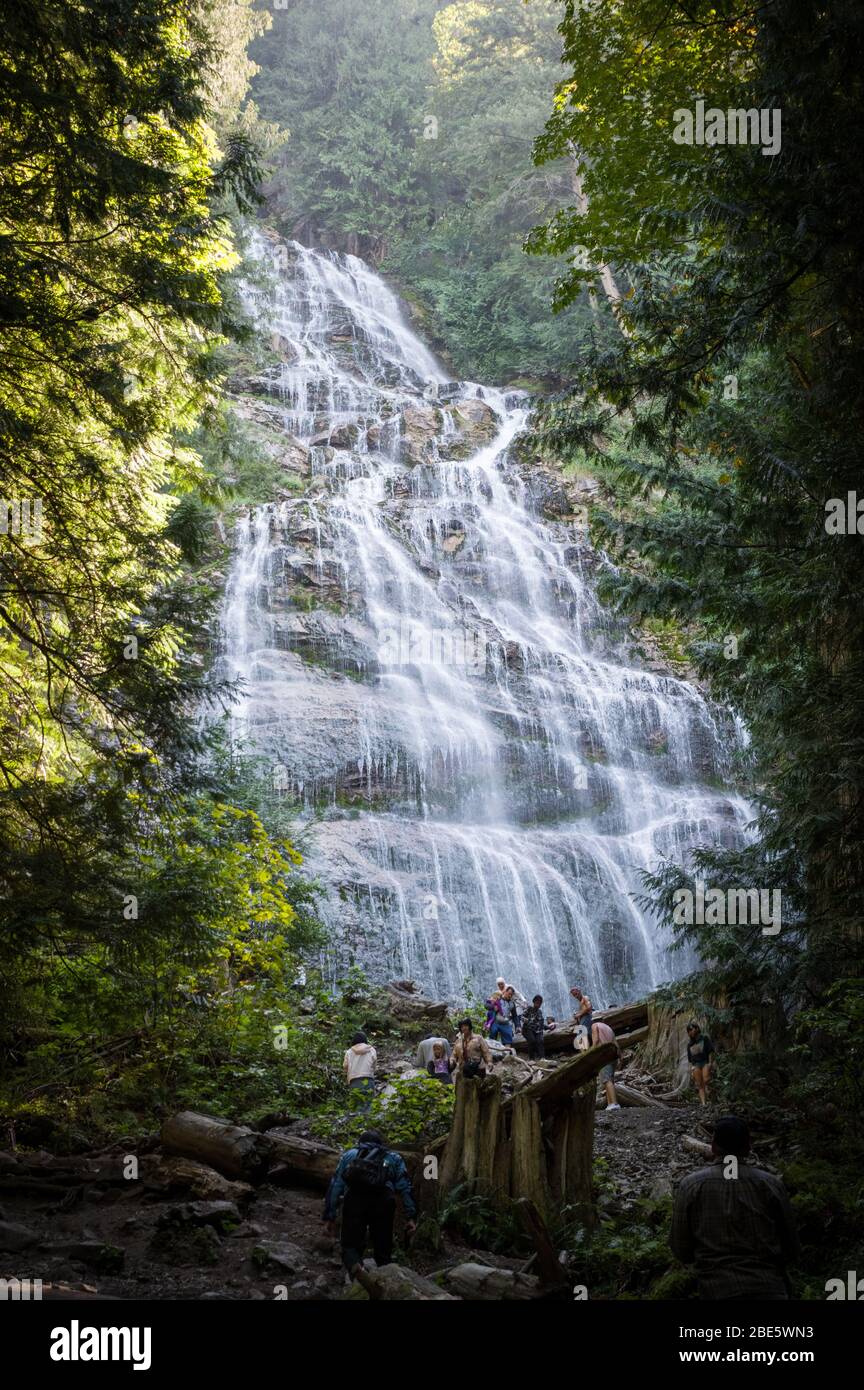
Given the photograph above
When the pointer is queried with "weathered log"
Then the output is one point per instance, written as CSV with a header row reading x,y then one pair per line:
x,y
559,1085
233,1150
395,1283
628,1096
177,1175
696,1146
475,1282
549,1268
528,1177
622,1020
303,1158
469,1157
638,1035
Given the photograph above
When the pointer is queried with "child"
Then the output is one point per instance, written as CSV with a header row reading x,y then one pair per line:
x,y
439,1066
493,1010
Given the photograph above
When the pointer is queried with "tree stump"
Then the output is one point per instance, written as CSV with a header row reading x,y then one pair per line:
x,y
537,1144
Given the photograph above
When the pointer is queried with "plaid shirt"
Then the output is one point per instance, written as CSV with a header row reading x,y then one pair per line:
x,y
739,1232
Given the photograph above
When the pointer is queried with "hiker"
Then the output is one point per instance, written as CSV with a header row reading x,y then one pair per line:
x,y
368,1177
533,1029
424,1050
494,1010
511,1005
503,1024
582,1015
359,1065
700,1050
734,1222
602,1033
439,1064
471,1055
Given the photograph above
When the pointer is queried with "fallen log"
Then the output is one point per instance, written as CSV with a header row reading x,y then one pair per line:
x,y
233,1150
475,1282
696,1146
185,1176
561,1082
303,1158
395,1283
638,1035
623,1020
628,1096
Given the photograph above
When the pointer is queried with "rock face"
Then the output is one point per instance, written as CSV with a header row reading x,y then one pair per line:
x,y
406,1002
488,759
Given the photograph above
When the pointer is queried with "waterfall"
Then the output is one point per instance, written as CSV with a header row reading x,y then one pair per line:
x,y
484,760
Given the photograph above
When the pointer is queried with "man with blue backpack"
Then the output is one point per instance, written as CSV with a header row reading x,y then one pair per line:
x,y
367,1180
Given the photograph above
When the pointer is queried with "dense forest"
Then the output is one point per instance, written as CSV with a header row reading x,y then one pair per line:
x,y
685,320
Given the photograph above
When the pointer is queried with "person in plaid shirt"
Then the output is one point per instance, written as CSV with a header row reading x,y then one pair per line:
x,y
734,1223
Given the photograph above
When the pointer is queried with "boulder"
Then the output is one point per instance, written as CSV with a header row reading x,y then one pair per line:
x,y
221,1215
475,420
420,428
408,1003
281,1255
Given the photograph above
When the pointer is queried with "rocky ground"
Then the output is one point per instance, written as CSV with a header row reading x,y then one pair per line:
x,y
146,1225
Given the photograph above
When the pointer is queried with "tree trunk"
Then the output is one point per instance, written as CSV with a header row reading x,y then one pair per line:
x,y
528,1167
303,1158
536,1145
471,1150
234,1151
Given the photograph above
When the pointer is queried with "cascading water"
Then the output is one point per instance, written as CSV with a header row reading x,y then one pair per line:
x,y
484,762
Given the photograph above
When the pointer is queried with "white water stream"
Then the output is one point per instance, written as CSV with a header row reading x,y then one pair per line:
x,y
429,671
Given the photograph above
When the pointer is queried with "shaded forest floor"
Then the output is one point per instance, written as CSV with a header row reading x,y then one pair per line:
x,y
134,1241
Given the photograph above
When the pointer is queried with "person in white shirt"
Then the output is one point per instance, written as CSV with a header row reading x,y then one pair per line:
x,y
359,1066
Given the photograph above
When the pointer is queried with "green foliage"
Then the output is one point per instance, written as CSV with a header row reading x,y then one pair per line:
x,y
412,127
729,407
476,1219
418,1110
151,927
627,1254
